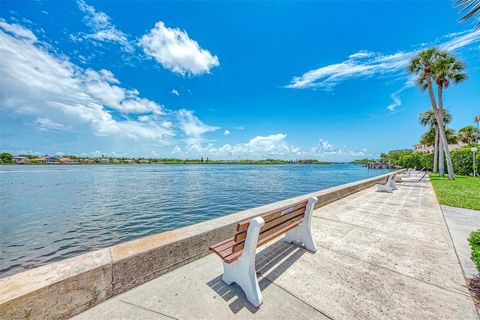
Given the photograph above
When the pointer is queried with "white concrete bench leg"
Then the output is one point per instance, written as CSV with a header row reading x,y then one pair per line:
x,y
242,271
303,233
385,187
393,183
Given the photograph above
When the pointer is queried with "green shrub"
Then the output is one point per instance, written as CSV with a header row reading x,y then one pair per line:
x,y
427,161
462,160
474,241
405,158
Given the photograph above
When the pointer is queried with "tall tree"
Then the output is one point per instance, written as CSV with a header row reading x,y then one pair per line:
x,y
428,138
467,134
472,9
434,66
427,118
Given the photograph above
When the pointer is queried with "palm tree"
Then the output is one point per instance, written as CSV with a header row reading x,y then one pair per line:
x,y
473,8
437,66
467,134
429,137
427,118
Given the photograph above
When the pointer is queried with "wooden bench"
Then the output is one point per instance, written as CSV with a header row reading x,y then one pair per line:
x,y
238,252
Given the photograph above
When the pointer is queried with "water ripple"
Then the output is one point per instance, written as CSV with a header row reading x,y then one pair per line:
x,y
48,213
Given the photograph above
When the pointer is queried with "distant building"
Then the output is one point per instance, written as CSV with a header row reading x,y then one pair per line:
x,y
428,149
143,161
86,160
41,159
21,159
53,160
103,160
422,148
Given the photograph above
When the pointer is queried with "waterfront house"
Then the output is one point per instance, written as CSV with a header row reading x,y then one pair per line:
x,y
86,160
103,160
41,159
65,160
428,149
21,159
53,160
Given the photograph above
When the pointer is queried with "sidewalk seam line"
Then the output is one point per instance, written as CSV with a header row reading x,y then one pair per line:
x,y
290,293
370,229
399,273
135,305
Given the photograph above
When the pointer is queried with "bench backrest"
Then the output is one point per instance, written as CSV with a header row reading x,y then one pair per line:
x,y
277,222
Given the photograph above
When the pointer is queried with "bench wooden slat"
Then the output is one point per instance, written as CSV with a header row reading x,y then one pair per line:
x,y
234,256
239,245
272,214
222,246
240,236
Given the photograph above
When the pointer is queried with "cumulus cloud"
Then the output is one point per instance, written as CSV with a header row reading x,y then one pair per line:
x,y
102,28
263,147
192,127
364,64
175,51
226,132
175,92
43,85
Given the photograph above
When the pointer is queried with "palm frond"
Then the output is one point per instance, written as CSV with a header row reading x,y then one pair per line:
x,y
472,7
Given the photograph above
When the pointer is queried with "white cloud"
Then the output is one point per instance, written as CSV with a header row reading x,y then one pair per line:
x,y
57,93
193,127
461,40
396,101
240,128
175,92
102,28
17,30
175,51
367,64
271,146
361,54
46,124
226,132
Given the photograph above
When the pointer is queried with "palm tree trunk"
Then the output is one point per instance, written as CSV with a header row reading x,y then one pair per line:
x,y
443,137
441,160
439,118
435,152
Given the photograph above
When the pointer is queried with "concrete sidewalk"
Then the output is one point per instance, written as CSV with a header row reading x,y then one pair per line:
x,y
380,256
461,222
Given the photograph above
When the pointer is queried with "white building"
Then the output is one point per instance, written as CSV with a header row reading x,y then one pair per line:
x,y
21,159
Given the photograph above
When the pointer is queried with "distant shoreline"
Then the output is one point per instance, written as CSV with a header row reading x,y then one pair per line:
x,y
182,163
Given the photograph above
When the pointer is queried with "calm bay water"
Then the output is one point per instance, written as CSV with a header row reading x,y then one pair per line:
x,y
51,212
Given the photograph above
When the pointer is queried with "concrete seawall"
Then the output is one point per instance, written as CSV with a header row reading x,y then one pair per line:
x,y
65,288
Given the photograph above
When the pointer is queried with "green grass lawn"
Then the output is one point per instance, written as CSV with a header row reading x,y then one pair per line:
x,y
463,192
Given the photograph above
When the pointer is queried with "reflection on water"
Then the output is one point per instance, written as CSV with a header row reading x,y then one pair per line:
x,y
48,213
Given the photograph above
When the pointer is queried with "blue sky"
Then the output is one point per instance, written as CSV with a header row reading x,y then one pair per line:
x,y
224,80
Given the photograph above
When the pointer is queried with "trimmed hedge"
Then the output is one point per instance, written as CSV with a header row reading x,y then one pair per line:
x,y
462,160
474,241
